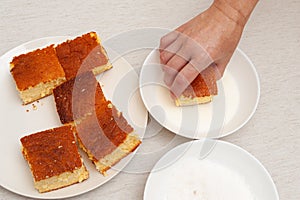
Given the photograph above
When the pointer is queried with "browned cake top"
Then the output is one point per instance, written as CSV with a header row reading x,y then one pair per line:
x,y
81,54
76,97
102,133
92,137
51,152
41,65
204,85
113,123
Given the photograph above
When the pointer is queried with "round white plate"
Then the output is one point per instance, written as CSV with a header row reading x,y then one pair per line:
x,y
164,175
236,102
18,120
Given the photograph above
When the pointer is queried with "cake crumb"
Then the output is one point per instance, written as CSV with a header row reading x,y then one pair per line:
x,y
27,110
34,107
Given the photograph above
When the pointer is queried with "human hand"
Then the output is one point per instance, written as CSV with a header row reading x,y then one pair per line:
x,y
208,39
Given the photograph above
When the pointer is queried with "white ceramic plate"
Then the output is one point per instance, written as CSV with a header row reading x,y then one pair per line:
x,y
17,121
236,102
223,154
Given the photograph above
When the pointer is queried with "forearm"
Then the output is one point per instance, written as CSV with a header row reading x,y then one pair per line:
x,y
237,10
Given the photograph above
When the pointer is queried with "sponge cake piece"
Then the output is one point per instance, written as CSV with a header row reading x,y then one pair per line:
x,y
37,73
84,53
77,97
53,158
106,137
102,131
201,90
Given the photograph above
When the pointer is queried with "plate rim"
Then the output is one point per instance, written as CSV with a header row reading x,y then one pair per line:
x,y
217,141
30,41
252,67
257,98
114,172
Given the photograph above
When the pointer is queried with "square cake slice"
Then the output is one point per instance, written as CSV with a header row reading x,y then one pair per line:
x,y
37,73
201,90
84,53
106,136
77,97
53,158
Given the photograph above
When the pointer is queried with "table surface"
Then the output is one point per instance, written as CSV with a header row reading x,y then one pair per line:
x,y
271,40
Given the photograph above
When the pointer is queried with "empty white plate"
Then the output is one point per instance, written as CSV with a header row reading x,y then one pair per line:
x,y
236,102
209,168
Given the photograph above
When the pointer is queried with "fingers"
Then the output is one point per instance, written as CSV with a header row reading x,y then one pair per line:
x,y
221,66
166,40
220,71
170,51
182,66
183,79
174,65
180,81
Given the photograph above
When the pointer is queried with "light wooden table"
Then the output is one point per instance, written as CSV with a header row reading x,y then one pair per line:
x,y
271,39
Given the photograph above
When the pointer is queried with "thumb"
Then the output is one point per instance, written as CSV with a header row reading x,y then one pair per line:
x,y
221,66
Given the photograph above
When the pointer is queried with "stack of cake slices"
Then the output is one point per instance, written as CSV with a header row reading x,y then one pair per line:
x,y
37,73
102,131
68,72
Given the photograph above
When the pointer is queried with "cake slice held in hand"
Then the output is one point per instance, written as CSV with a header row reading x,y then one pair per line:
x,y
84,53
53,158
201,90
37,73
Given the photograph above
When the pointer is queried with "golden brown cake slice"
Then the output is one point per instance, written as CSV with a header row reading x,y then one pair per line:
x,y
84,53
37,73
106,136
53,158
102,131
201,90
76,98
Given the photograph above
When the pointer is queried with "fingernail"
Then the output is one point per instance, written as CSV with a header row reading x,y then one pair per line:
x,y
167,83
172,95
176,93
161,56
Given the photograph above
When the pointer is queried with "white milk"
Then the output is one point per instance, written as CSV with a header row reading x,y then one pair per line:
x,y
194,179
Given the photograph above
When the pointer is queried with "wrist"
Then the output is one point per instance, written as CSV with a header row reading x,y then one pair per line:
x,y
237,11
